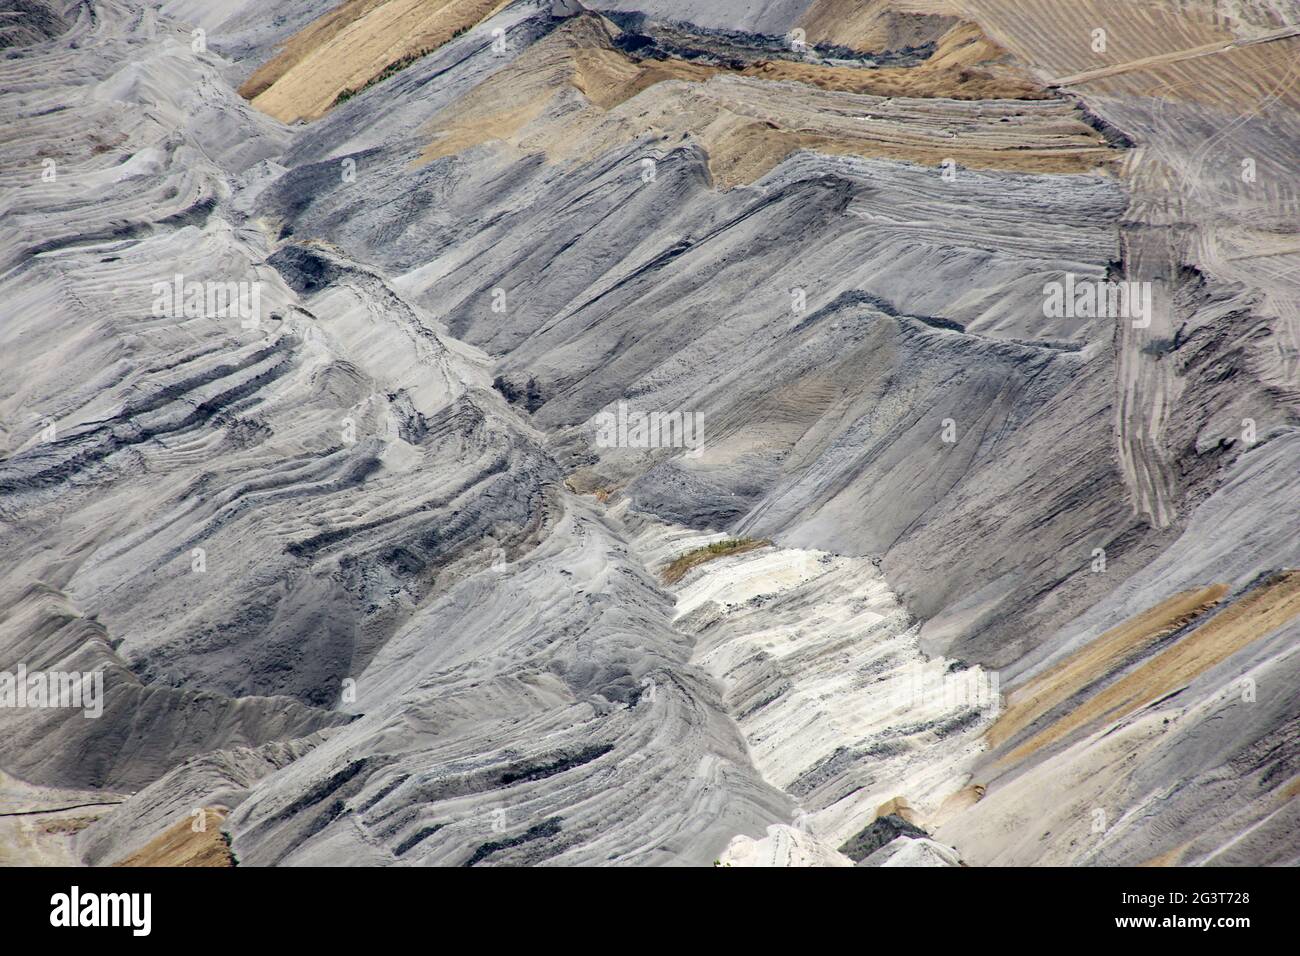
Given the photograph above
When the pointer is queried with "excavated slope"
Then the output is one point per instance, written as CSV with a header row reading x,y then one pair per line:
x,y
360,577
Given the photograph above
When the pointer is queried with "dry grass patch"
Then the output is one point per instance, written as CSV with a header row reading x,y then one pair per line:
x,y
719,549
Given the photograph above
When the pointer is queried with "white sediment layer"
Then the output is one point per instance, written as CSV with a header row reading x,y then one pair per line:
x,y
820,666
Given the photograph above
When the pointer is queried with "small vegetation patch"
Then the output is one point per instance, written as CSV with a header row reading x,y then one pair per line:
x,y
397,66
719,549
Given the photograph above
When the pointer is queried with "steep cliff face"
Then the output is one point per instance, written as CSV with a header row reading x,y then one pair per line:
x,y
371,562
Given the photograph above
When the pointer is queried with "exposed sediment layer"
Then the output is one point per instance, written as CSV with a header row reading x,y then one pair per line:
x,y
820,666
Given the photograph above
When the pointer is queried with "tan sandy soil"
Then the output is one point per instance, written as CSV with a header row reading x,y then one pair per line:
x,y
180,845
350,46
524,105
38,824
1258,613
877,25
1070,676
748,127
1147,50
